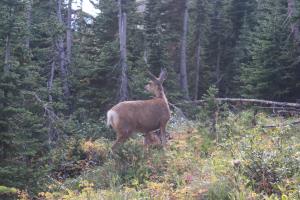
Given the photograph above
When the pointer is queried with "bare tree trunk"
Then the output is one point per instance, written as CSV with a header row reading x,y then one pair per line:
x,y
52,133
123,52
198,66
28,23
183,68
50,82
292,13
7,58
69,34
218,71
62,57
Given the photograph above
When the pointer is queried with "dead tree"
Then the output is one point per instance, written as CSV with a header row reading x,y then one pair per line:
x,y
198,66
183,68
217,21
122,16
292,13
69,34
7,58
28,23
62,56
52,132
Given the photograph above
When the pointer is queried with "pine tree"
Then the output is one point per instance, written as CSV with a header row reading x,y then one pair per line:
x,y
243,17
271,71
22,132
96,61
155,41
219,46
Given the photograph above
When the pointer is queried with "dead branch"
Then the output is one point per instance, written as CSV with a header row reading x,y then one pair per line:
x,y
46,107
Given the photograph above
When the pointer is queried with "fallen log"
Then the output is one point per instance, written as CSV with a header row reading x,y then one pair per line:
x,y
282,125
279,108
240,100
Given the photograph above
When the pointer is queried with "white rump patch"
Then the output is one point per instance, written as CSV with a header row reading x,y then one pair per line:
x,y
112,118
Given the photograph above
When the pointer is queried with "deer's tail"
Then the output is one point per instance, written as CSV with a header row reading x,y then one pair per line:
x,y
112,118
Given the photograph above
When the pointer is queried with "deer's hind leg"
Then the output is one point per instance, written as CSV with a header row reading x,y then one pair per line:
x,y
121,138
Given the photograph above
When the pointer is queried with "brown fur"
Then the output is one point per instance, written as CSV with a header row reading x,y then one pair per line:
x,y
146,116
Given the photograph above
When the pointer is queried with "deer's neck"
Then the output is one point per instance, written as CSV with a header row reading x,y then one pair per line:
x,y
161,95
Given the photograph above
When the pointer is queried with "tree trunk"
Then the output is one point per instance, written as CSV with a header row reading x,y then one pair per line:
x,y
123,52
52,133
198,66
50,82
292,13
62,57
7,58
69,34
183,68
28,23
218,70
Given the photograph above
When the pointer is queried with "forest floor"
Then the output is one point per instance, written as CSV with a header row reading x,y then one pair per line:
x,y
245,162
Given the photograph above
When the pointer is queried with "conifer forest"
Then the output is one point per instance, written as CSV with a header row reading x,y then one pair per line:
x,y
150,99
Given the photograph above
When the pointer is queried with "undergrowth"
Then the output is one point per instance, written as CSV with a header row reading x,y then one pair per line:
x,y
246,162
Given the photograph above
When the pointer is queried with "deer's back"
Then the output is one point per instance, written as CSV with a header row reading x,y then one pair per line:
x,y
142,116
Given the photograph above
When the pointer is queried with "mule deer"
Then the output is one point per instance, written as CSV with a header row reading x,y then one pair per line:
x,y
143,116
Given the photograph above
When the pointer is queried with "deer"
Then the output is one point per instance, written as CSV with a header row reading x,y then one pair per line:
x,y
144,116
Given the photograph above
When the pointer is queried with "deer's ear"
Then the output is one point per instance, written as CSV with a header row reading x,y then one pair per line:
x,y
152,77
162,76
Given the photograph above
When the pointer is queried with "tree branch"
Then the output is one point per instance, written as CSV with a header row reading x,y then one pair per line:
x,y
46,107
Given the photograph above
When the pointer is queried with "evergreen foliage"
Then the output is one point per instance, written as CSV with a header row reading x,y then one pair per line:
x,y
272,71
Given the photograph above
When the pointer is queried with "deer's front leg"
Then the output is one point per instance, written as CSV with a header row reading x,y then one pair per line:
x,y
151,138
163,134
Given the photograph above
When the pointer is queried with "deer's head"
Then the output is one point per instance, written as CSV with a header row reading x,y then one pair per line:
x,y
155,84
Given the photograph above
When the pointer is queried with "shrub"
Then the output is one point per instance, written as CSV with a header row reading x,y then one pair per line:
x,y
7,193
96,151
206,145
269,160
91,129
221,190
